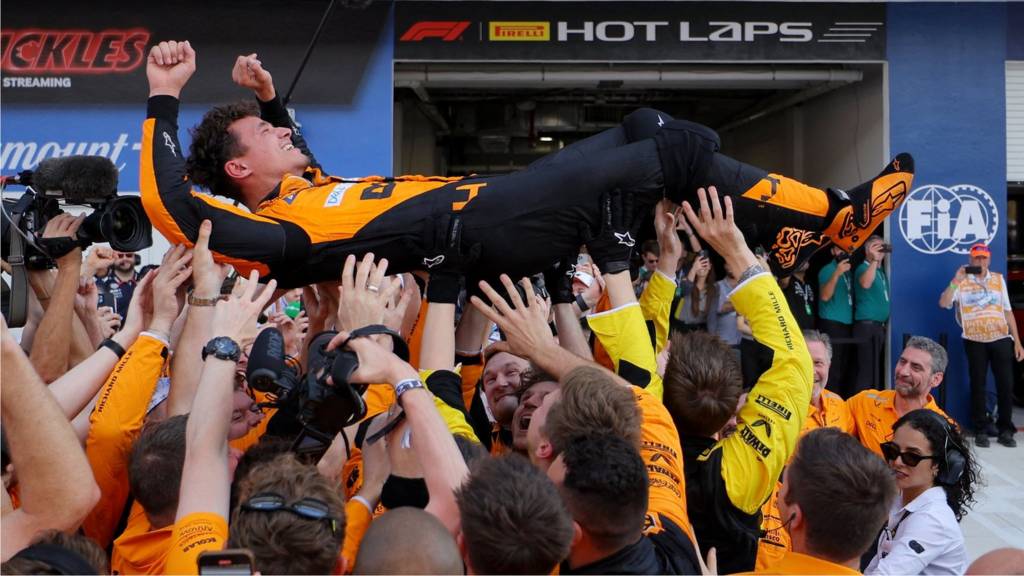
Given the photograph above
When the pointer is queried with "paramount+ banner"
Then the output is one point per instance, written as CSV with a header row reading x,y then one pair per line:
x,y
639,31
60,51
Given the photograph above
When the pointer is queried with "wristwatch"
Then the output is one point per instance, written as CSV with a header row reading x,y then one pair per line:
x,y
194,300
223,348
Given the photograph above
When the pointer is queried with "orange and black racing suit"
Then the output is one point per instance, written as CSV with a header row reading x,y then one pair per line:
x,y
302,231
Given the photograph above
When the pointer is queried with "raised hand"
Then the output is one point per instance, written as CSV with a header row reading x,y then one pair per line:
x,y
525,324
235,316
716,226
169,66
174,270
97,260
364,293
249,73
207,275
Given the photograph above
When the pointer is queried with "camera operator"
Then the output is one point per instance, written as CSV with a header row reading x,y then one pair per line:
x,y
835,316
990,339
51,347
871,293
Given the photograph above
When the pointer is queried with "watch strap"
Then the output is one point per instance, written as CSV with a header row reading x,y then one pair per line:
x,y
194,300
113,347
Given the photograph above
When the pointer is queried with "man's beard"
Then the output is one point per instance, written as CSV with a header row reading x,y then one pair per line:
x,y
907,390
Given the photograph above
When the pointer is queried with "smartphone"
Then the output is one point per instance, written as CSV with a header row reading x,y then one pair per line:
x,y
702,254
230,561
972,270
842,257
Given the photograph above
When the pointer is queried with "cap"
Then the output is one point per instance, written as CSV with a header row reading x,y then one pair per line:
x,y
980,249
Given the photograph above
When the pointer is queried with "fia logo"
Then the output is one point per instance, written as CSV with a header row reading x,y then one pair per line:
x,y
936,219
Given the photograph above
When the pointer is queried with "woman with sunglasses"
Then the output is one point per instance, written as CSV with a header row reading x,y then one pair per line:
x,y
936,474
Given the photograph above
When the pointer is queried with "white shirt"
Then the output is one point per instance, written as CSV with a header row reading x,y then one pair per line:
x,y
922,537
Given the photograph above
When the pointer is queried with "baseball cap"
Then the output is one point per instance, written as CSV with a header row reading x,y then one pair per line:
x,y
980,249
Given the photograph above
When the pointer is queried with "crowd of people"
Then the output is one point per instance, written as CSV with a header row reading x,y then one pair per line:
x,y
313,418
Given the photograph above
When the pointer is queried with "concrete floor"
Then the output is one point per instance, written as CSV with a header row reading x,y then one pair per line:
x,y
997,519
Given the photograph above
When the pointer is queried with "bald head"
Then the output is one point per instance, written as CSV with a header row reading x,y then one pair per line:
x,y
999,561
408,541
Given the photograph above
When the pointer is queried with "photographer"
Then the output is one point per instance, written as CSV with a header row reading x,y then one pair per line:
x,y
871,294
119,280
990,339
835,316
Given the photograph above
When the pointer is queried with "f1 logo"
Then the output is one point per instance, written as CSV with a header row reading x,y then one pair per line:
x,y
447,31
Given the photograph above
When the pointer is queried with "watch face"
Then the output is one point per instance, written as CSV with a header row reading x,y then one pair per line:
x,y
224,347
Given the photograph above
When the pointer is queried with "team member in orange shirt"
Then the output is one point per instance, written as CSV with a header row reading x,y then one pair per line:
x,y
834,496
920,368
201,520
827,410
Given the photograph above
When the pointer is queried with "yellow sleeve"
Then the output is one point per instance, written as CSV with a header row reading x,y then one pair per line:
x,y
622,333
656,304
193,535
357,521
454,418
769,424
113,426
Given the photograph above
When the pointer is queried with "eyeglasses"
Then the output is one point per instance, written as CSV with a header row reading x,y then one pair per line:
x,y
308,508
891,451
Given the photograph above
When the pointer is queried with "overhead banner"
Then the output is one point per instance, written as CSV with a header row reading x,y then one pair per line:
x,y
639,31
62,51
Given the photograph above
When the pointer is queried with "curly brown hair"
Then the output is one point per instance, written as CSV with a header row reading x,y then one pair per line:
x,y
213,145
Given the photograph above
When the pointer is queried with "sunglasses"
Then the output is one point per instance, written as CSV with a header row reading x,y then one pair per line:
x,y
891,451
308,508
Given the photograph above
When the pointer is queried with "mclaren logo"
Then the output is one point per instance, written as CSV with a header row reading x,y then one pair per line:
x,y
519,31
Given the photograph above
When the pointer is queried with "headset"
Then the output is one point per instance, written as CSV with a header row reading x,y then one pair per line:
x,y
954,459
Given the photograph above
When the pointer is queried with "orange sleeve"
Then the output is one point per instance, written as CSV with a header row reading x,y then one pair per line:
x,y
357,521
470,374
113,426
416,336
600,354
662,453
352,473
193,535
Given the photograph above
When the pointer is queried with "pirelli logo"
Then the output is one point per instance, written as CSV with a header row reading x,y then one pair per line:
x,y
519,31
773,406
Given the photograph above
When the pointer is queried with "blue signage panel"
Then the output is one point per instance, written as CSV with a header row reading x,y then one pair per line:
x,y
947,99
352,139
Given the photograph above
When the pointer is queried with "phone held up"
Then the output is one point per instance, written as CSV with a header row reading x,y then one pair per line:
x,y
226,562
976,270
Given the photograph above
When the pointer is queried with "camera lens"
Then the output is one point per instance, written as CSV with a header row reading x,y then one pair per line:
x,y
124,224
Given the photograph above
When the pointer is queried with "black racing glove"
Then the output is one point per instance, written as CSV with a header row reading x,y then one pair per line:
x,y
612,246
558,280
450,261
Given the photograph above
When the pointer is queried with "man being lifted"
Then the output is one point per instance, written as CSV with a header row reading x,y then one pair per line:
x,y
302,223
